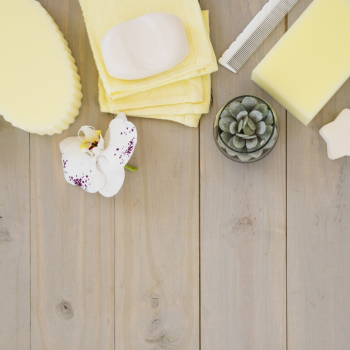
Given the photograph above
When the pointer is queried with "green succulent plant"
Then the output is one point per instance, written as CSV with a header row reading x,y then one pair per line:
x,y
246,126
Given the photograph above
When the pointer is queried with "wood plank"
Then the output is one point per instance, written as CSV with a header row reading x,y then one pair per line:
x,y
14,238
72,231
318,232
157,242
243,212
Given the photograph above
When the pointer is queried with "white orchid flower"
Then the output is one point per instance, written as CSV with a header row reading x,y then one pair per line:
x,y
96,164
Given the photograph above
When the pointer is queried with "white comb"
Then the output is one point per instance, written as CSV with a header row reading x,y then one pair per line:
x,y
255,33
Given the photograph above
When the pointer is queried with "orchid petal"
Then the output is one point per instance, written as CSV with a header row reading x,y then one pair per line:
x,y
122,137
97,151
114,174
80,169
101,144
95,163
91,135
66,142
122,116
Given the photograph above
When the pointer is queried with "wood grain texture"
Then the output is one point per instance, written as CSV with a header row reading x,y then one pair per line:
x,y
243,212
14,238
318,232
72,231
82,272
157,242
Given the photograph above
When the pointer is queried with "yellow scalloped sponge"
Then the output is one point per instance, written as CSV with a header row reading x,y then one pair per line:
x,y
40,90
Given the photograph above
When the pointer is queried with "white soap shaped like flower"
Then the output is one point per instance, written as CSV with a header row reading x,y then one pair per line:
x,y
96,164
144,46
336,134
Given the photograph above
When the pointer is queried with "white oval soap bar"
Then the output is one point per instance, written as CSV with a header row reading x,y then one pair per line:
x,y
40,89
144,46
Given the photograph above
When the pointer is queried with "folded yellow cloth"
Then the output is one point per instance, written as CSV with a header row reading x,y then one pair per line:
x,y
112,106
101,15
173,103
189,90
189,119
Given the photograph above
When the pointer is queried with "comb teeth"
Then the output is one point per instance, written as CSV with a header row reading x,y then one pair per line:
x,y
256,32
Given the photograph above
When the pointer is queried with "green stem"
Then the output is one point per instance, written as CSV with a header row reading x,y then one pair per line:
x,y
131,168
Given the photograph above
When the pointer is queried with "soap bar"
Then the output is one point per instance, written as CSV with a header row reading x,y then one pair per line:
x,y
336,134
144,46
311,61
40,89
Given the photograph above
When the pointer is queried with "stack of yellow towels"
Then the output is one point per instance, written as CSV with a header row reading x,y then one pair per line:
x,y
181,94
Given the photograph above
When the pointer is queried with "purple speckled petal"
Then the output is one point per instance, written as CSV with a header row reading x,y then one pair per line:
x,y
103,172
122,116
120,141
80,169
114,177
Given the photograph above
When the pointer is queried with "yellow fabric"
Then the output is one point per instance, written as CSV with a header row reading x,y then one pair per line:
x,y
189,119
189,90
112,106
101,15
169,102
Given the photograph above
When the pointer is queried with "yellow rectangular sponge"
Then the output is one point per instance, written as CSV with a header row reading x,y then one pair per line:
x,y
311,61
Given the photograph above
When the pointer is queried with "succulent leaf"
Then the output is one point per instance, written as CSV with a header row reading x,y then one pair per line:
x,y
251,124
262,108
260,127
266,135
225,123
241,115
249,103
225,136
269,118
225,113
248,131
234,108
245,121
244,157
240,125
246,137
238,142
252,143
234,128
256,116
256,154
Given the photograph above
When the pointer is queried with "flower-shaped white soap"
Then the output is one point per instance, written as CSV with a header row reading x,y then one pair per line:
x,y
336,134
144,46
96,164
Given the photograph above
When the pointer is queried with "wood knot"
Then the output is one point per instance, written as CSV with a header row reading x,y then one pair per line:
x,y
5,235
155,326
154,302
245,222
65,310
244,226
164,342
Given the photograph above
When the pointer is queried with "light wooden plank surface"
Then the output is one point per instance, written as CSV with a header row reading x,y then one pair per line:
x,y
243,212
72,270
157,242
14,239
81,272
318,232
